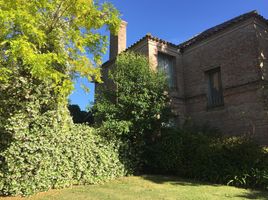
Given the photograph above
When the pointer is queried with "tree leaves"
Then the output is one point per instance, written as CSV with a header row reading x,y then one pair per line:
x,y
138,97
44,44
51,40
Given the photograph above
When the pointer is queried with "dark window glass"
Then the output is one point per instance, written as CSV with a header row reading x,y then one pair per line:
x,y
215,93
166,64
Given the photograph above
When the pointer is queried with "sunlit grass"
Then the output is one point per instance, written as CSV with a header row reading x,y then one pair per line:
x,y
149,188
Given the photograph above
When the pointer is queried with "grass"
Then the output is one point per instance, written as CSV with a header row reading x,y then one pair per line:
x,y
149,188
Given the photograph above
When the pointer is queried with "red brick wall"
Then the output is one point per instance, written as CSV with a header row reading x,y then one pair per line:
x,y
235,51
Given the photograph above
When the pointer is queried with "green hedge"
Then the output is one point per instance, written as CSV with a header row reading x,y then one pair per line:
x,y
50,152
204,156
46,155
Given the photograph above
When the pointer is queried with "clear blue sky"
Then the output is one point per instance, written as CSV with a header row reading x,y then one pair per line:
x,y
174,21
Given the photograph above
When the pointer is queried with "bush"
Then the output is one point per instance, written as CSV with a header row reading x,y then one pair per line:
x,y
221,160
50,156
198,153
136,111
40,148
164,155
130,152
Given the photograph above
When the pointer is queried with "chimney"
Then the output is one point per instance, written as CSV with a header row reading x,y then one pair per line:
x,y
118,43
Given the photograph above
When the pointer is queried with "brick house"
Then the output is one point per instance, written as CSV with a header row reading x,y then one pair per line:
x,y
217,77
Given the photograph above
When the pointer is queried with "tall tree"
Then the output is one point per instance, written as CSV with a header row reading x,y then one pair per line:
x,y
139,99
50,40
44,44
137,107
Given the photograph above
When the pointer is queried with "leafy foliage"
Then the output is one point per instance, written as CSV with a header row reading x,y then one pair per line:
x,y
51,156
200,154
51,40
138,106
164,155
140,95
44,44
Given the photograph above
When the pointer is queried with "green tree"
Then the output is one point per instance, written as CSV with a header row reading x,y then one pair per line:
x,y
138,107
50,39
44,45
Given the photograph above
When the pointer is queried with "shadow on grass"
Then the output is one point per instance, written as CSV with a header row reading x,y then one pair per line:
x,y
255,195
175,181
250,194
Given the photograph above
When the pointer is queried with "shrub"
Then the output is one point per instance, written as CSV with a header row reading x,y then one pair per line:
x,y
130,153
140,96
137,108
164,155
200,154
220,160
50,156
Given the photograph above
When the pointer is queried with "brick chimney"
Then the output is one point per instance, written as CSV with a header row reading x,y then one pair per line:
x,y
118,43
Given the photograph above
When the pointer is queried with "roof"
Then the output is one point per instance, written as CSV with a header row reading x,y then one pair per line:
x,y
209,32
204,35
148,36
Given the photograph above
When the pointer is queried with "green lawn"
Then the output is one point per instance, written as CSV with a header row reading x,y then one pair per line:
x,y
148,187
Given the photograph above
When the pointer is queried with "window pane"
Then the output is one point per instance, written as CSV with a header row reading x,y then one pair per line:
x,y
166,65
215,95
215,79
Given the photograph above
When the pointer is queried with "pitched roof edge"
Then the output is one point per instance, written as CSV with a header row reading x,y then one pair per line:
x,y
148,36
220,27
203,35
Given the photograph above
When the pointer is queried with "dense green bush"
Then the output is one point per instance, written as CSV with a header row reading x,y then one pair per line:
x,y
140,96
48,155
40,148
136,109
228,160
199,154
164,154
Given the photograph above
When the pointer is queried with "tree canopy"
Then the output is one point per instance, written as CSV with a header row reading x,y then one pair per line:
x,y
51,40
140,97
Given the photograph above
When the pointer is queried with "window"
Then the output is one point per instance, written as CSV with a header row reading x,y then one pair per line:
x,y
215,94
166,64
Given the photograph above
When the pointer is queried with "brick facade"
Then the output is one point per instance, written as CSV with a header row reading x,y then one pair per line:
x,y
239,48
